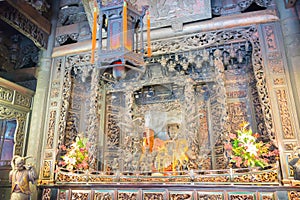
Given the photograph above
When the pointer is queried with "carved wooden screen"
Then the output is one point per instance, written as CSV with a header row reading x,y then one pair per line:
x,y
221,85
145,123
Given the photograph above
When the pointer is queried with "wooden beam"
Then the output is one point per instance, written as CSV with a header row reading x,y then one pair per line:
x,y
31,29
31,14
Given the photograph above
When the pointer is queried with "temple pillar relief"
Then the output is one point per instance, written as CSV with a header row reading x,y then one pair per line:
x,y
291,38
282,94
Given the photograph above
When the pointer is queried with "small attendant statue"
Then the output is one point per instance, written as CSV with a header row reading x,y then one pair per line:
x,y
20,176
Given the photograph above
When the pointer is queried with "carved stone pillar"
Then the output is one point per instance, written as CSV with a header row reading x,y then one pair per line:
x,y
291,38
35,140
94,119
282,98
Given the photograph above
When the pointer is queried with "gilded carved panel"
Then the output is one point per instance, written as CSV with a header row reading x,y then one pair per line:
x,y
210,195
127,195
276,66
152,194
285,116
181,195
6,94
270,38
104,195
289,146
241,195
267,196
82,195
21,117
51,129
22,100
279,81
46,170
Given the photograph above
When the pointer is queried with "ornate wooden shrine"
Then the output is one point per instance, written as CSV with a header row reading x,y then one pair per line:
x,y
156,123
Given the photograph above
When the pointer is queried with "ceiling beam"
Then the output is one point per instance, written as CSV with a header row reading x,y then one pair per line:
x,y
31,14
26,20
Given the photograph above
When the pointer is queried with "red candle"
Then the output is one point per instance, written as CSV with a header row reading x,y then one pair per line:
x,y
148,35
125,24
94,33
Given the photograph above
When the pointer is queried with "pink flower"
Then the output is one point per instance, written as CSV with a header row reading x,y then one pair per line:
x,y
63,147
85,165
79,166
238,161
232,136
228,146
276,152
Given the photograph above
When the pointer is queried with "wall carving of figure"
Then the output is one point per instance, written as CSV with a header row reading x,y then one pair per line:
x,y
20,176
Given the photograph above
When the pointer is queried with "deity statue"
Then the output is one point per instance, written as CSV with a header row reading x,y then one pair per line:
x,y
20,176
173,131
295,163
170,152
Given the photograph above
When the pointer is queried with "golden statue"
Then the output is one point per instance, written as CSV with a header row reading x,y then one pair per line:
x,y
19,177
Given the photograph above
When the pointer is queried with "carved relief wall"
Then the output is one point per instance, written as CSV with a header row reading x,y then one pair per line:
x,y
195,77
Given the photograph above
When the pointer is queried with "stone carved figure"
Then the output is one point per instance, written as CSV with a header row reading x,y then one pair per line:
x,y
295,163
20,176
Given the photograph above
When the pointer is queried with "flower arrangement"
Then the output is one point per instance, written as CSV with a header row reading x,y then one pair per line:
x,y
77,157
246,150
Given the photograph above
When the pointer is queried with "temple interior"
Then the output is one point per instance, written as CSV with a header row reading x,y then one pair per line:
x,y
153,100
